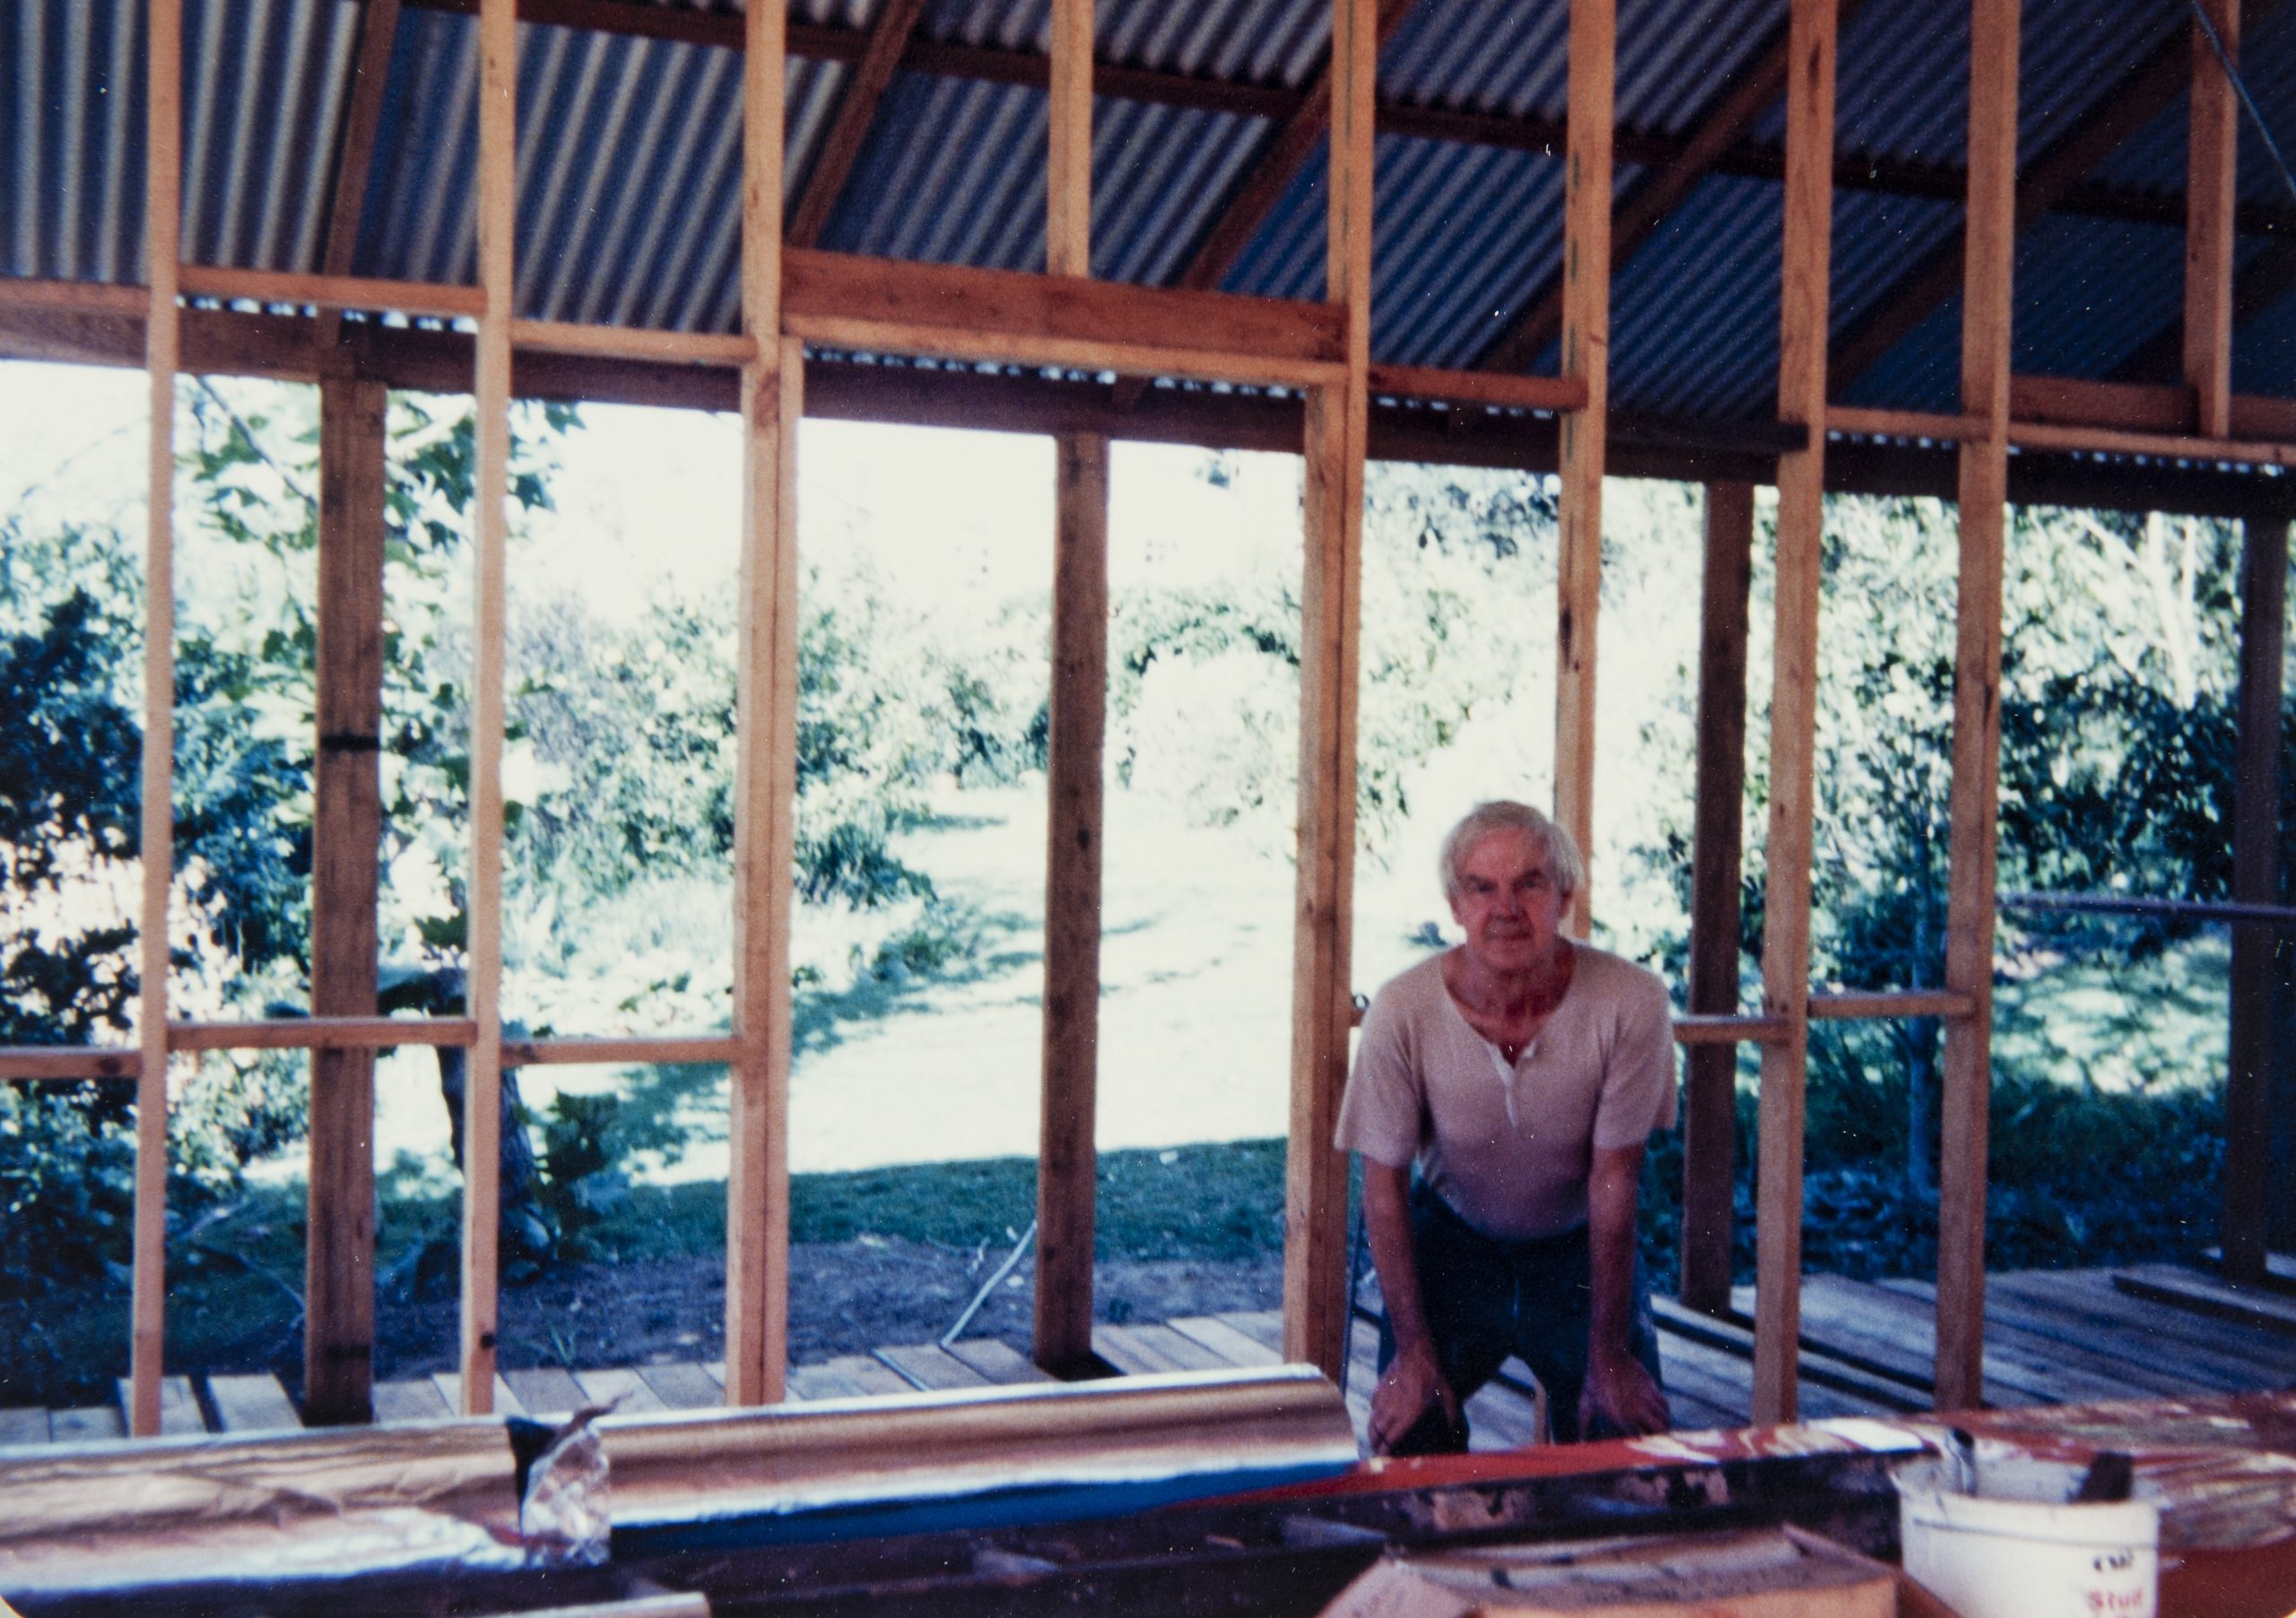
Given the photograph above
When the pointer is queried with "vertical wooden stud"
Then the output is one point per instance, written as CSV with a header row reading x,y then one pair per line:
x,y
757,1189
2255,880
1587,197
162,221
1068,175
2209,195
1709,1118
339,1253
1067,1156
498,47
1804,298
1967,1066
1315,1195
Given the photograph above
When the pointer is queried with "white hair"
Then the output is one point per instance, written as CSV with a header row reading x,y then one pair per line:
x,y
1563,863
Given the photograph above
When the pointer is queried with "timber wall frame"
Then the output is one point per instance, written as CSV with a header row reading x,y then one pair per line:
x,y
1307,385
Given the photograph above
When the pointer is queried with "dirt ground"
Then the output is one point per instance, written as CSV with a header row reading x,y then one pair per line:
x,y
845,1298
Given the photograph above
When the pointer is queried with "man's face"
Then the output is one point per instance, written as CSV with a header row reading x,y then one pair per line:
x,y
1507,903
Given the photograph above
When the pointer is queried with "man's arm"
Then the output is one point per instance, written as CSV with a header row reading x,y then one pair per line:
x,y
1413,1379
1618,1387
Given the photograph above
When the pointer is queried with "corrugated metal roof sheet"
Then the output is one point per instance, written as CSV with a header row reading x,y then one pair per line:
x,y
72,141
1694,315
630,152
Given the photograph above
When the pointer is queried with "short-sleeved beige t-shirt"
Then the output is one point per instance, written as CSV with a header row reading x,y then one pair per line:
x,y
1511,1149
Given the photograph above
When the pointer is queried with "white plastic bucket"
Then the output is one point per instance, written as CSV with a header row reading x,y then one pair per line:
x,y
2018,1551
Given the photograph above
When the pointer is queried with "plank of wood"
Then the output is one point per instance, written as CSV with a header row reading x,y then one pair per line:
x,y
1678,1325
2266,1307
481,1164
347,836
1966,1086
449,1384
931,1365
856,111
82,1426
2211,170
252,1403
24,1424
362,120
1337,431
772,397
1066,1160
1117,1345
163,250
1068,156
844,300
1216,1333
1315,1174
999,1361
1711,1073
683,1386
2120,1345
621,1388
1803,308
2256,839
545,1390
2084,1306
411,1399
1182,1352
1892,1329
1587,197
871,1376
179,1406
1263,1326
814,1383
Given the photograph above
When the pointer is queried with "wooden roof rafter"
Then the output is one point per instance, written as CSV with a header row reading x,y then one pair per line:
x,y
355,158
1255,195
856,114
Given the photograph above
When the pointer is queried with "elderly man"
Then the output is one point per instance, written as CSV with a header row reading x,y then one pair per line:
x,y
1521,1073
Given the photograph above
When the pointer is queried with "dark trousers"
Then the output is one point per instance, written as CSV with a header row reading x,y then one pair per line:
x,y
1487,1298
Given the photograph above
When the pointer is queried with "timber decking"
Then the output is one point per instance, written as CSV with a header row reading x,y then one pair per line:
x,y
2051,1336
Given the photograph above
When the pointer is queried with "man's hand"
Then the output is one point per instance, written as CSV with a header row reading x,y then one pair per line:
x,y
1411,1383
1618,1390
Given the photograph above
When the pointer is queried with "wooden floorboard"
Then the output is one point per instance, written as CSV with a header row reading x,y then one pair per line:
x,y
2249,1306
622,1390
683,1386
78,1426
931,1368
2132,1332
1868,1321
255,1404
1221,1338
24,1424
416,1399
451,1389
179,1411
2085,1308
545,1390
999,1361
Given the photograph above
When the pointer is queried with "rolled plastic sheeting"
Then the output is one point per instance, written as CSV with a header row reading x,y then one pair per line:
x,y
351,1501
117,1515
